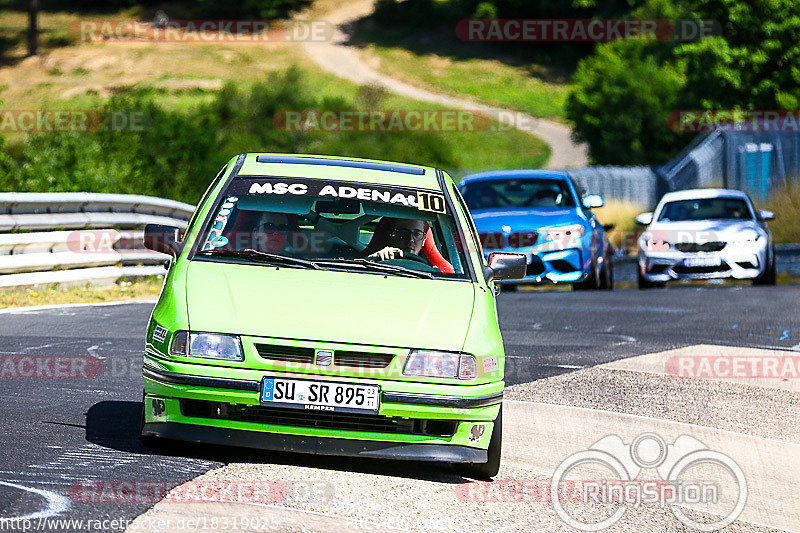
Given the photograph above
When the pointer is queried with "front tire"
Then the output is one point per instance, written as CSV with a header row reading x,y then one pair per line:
x,y
591,283
644,283
607,275
770,274
490,468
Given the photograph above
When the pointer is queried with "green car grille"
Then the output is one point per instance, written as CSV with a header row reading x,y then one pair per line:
x,y
316,419
341,358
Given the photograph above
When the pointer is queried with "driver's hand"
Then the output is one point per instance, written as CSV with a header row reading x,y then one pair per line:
x,y
387,253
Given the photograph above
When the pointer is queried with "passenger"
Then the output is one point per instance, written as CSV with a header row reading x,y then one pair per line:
x,y
267,232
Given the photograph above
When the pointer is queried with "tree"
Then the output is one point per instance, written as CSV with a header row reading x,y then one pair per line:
x,y
620,102
33,27
624,92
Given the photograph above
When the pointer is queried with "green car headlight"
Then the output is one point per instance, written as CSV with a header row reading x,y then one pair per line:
x,y
208,345
434,364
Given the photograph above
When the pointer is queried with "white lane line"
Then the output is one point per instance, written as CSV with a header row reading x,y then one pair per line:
x,y
56,503
33,308
50,345
626,339
572,367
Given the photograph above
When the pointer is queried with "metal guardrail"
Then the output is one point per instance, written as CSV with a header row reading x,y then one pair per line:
x,y
93,251
638,185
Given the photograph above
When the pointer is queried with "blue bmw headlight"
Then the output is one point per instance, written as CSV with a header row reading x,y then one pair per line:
x,y
564,236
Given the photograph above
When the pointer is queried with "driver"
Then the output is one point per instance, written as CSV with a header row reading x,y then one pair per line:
x,y
548,197
399,236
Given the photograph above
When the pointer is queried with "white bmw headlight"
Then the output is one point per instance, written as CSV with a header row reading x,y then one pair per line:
x,y
207,345
748,236
433,364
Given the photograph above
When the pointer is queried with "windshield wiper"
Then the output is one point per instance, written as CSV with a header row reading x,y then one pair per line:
x,y
366,264
249,253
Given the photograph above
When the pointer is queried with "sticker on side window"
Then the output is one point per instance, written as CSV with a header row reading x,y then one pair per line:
x,y
219,223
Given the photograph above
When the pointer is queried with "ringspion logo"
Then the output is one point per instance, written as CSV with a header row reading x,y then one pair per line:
x,y
689,474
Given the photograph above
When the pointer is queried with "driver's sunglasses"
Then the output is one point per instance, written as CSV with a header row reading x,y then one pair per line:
x,y
404,233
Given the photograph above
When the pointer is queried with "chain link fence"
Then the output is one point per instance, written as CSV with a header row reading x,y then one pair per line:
x,y
638,185
755,162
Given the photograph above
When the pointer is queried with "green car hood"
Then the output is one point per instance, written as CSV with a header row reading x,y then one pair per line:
x,y
328,306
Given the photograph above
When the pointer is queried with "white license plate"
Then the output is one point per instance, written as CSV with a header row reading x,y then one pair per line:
x,y
320,395
702,261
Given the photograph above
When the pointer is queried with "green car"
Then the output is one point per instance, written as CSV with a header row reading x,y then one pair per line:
x,y
331,306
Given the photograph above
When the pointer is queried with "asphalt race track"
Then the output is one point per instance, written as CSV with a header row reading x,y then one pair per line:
x,y
580,366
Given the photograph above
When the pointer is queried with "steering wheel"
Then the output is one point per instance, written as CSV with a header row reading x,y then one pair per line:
x,y
411,257
412,261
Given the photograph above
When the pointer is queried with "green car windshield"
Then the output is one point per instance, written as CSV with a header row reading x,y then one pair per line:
x,y
337,225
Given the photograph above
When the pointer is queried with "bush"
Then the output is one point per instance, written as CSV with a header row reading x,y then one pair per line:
x,y
620,102
172,157
176,155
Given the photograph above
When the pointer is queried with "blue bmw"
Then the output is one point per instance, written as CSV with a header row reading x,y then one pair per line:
x,y
541,214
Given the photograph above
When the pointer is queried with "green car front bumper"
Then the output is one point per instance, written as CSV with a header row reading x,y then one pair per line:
x,y
416,421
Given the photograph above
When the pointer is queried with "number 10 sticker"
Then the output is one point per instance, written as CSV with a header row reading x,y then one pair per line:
x,y
430,202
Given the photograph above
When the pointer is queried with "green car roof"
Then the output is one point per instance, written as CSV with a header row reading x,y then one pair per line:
x,y
339,168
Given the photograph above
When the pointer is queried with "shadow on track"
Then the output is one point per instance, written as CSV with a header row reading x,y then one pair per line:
x,y
115,425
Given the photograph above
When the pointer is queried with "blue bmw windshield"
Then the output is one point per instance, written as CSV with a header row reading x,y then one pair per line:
x,y
518,192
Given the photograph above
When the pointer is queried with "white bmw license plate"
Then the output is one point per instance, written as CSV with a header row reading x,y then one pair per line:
x,y
320,395
702,261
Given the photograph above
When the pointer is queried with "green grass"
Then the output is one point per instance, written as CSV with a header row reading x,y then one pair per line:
x,y
141,289
501,81
785,203
474,151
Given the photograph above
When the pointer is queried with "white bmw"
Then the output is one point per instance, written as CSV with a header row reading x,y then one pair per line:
x,y
706,233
